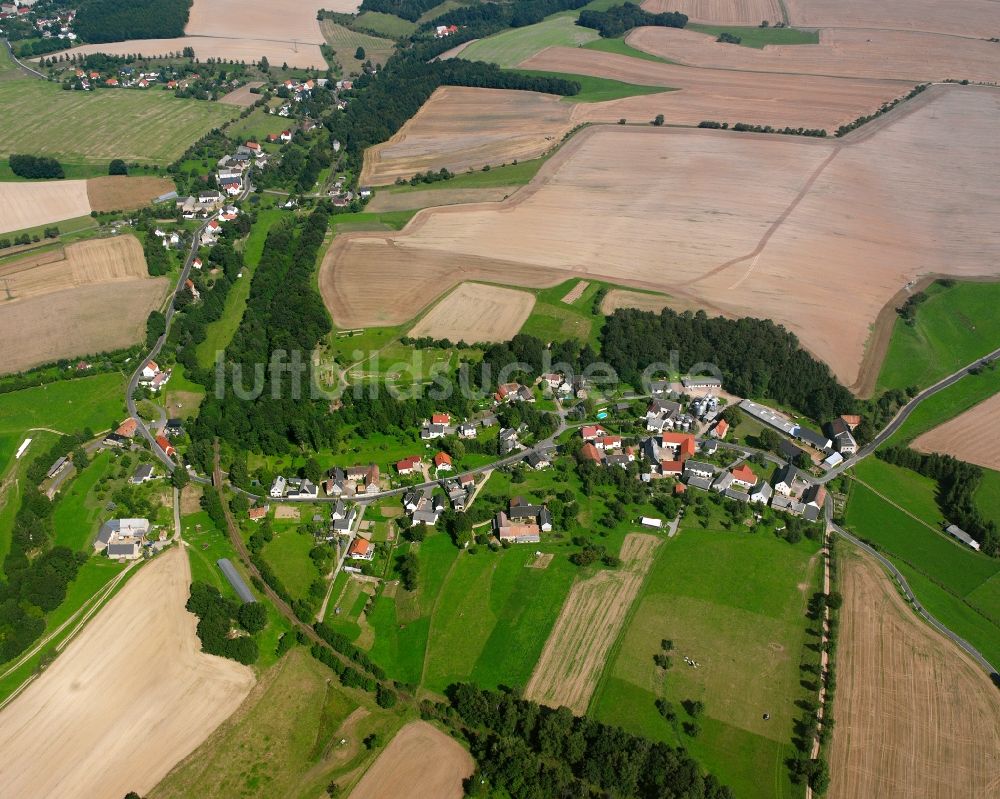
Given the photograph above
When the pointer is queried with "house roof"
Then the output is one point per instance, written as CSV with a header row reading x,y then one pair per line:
x,y
745,473
722,427
359,546
407,463
590,452
442,458
440,418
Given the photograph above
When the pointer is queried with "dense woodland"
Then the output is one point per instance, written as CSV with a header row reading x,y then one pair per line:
x,y
756,357
618,20
525,750
410,10
957,483
218,616
120,20
35,166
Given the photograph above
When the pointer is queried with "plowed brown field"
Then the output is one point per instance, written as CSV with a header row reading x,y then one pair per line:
x,y
120,193
91,298
460,128
815,234
971,436
475,312
420,762
843,52
976,19
129,698
722,12
575,653
914,716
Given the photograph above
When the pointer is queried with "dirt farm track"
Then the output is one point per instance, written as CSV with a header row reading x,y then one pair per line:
x,y
915,717
857,217
128,699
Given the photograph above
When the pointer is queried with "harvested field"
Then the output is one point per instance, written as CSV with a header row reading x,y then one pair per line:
x,y
576,292
575,652
121,193
260,19
74,289
724,221
976,19
968,437
619,298
410,200
475,312
420,762
302,55
25,205
915,716
463,129
723,12
845,52
129,698
242,96
807,101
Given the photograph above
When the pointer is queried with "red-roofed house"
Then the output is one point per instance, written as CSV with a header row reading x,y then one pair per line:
x,y
442,461
408,465
608,442
441,418
851,420
252,145
286,136
197,263
671,468
165,445
590,452
590,432
361,550
256,514
720,430
127,428
744,475
684,443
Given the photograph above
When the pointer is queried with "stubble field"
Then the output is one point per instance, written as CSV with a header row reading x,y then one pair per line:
x,y
420,761
915,716
149,127
970,437
976,19
723,12
576,651
475,312
128,699
732,222
296,54
853,53
92,297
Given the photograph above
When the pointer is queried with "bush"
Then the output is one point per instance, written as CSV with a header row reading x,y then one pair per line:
x,y
117,167
252,617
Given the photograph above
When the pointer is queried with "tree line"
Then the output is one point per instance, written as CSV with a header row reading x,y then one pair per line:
x,y
956,496
35,167
528,750
410,10
618,20
120,20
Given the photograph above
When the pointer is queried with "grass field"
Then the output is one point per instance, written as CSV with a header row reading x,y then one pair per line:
x,y
288,554
494,615
345,43
620,47
206,545
988,495
598,90
947,404
284,739
509,175
954,583
554,320
387,25
78,511
735,603
87,127
916,493
953,327
759,37
219,333
258,125
509,48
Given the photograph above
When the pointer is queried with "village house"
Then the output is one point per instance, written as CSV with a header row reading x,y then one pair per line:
x,y
278,487
431,431
843,440
121,539
128,428
537,460
720,429
508,440
408,465
442,462
143,474
467,430
165,445
361,549
959,534
256,514
590,432
522,523
513,392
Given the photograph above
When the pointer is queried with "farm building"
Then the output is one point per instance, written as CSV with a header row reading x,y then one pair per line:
x,y
959,534
239,586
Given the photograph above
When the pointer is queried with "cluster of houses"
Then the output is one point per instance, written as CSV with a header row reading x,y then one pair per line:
x,y
57,26
835,444
443,31
122,539
154,378
293,488
200,206
231,169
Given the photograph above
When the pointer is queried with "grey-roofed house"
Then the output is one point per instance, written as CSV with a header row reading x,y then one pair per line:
x,y
723,481
694,481
428,517
537,460
811,437
691,381
739,496
698,468
143,472
787,504
235,580
762,492
108,529
129,551
768,416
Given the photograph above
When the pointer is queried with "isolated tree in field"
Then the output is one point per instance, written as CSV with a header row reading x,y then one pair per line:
x,y
117,167
359,54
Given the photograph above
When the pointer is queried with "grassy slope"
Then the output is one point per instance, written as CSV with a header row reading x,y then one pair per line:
x,y
509,48
66,406
148,127
988,495
510,175
345,43
77,513
598,90
281,741
620,47
735,603
954,326
288,554
552,319
385,24
759,37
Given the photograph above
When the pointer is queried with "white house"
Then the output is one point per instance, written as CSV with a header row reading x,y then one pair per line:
x,y
278,487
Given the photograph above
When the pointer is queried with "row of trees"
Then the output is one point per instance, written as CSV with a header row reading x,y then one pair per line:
x,y
120,20
618,20
957,483
35,167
